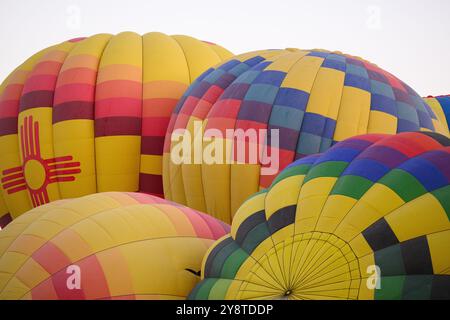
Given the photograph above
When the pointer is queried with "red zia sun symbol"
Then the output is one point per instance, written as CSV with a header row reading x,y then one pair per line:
x,y
37,173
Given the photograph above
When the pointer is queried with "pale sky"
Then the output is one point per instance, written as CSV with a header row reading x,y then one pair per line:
x,y
409,38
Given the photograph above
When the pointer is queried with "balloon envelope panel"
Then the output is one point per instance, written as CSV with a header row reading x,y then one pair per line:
x,y
367,219
121,246
312,98
90,115
441,106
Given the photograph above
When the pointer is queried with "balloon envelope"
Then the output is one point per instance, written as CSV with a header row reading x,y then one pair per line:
x,y
310,99
90,115
105,246
441,106
367,219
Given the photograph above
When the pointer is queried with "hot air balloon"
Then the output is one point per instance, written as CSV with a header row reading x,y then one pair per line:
x,y
441,107
367,219
310,99
113,245
90,115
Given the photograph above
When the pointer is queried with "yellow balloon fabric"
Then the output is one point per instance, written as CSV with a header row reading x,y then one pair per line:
x,y
367,219
90,115
441,106
314,98
110,245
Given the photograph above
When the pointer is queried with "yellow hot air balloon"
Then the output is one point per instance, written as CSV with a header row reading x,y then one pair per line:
x,y
105,246
306,100
90,114
367,219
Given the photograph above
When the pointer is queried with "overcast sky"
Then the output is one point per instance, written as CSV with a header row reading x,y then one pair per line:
x,y
410,38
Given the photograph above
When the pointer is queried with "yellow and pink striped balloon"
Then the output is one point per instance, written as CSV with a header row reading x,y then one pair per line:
x,y
90,114
113,245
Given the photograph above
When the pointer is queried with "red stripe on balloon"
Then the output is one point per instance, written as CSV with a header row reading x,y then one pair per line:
x,y
64,284
148,199
40,82
46,68
227,108
9,108
5,219
93,280
217,227
118,107
58,261
155,126
152,145
8,126
151,183
44,291
410,144
12,91
36,99
119,88
73,110
199,224
159,106
74,92
77,39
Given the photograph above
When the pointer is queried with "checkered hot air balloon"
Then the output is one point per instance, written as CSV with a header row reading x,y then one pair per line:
x,y
313,98
367,219
113,245
90,114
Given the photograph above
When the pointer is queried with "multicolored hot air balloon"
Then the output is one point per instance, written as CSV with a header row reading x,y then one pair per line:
x,y
441,106
105,246
314,98
90,115
367,219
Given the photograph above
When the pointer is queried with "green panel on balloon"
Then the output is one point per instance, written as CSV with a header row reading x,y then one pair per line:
x,y
352,186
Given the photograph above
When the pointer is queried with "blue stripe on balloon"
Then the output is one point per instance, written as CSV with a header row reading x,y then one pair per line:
x,y
406,125
445,104
407,112
254,61
239,69
354,143
441,160
424,120
225,80
382,88
427,173
229,65
367,168
339,154
384,104
355,81
292,98
305,160
385,155
286,117
318,54
262,92
255,111
235,91
271,77
377,76
334,64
